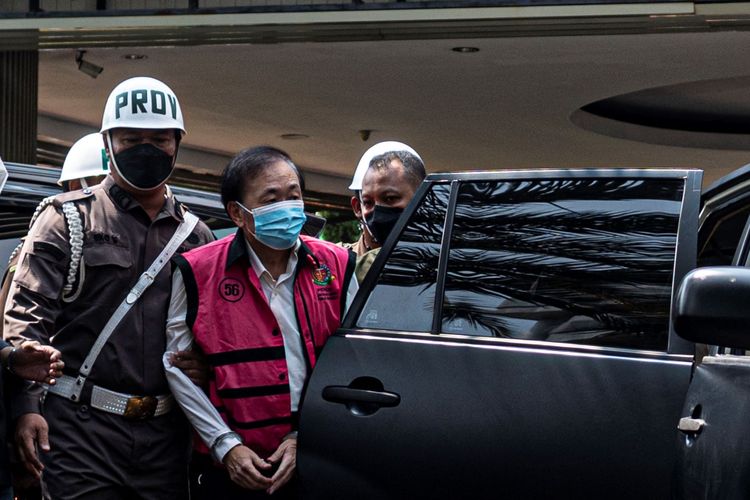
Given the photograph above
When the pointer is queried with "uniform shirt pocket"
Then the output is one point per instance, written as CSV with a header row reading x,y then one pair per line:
x,y
43,269
107,255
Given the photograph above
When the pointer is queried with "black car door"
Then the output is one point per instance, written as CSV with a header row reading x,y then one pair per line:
x,y
512,340
712,457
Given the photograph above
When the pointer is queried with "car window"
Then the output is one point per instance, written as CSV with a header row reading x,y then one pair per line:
x,y
587,260
404,296
722,241
574,260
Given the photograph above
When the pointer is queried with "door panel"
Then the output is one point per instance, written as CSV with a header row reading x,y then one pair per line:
x,y
713,459
492,419
517,326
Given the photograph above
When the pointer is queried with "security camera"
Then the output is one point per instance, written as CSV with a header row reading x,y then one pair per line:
x,y
89,68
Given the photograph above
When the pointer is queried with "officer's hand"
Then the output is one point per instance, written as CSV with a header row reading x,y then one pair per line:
x,y
32,430
286,457
193,364
33,361
244,468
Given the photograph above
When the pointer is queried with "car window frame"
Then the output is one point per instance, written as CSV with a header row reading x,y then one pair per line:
x,y
725,196
720,200
685,251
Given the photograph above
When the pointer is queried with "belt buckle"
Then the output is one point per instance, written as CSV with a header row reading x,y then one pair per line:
x,y
140,407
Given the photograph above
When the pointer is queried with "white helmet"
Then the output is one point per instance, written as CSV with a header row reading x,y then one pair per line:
x,y
376,150
3,175
87,158
142,102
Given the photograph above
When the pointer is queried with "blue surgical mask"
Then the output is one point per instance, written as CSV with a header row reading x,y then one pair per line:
x,y
278,225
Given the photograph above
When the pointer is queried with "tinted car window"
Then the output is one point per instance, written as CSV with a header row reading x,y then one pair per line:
x,y
721,243
584,260
404,296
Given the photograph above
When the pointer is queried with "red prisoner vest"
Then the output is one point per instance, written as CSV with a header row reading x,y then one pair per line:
x,y
236,329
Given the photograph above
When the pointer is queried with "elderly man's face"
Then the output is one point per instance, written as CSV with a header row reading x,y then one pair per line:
x,y
387,187
277,182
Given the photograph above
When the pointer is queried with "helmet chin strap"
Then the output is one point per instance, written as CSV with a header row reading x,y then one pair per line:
x,y
84,184
111,149
366,228
363,224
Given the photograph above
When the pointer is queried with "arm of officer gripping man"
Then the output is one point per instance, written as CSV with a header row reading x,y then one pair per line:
x,y
194,402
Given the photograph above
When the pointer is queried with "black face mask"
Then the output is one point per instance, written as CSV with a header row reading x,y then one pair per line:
x,y
144,166
381,220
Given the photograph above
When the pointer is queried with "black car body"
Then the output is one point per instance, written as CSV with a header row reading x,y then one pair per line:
x,y
515,339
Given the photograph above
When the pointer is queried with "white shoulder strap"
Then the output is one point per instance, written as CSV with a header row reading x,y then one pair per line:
x,y
183,231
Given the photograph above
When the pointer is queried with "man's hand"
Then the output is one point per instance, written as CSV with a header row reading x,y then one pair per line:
x,y
245,467
193,364
32,431
286,456
33,361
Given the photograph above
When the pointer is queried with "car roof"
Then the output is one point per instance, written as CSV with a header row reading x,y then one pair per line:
x,y
735,179
551,173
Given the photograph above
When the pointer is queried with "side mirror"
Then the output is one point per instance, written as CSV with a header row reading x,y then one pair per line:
x,y
713,307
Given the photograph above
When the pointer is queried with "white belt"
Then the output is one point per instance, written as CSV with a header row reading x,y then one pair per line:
x,y
126,405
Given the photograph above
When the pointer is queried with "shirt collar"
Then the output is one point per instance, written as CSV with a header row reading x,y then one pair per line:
x,y
240,248
259,269
126,202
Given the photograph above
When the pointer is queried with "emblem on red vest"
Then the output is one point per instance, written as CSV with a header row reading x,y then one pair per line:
x,y
231,289
322,276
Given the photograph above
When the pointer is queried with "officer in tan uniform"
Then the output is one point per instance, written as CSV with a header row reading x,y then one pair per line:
x,y
91,282
384,182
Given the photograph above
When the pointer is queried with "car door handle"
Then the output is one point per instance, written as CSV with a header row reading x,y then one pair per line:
x,y
346,395
689,425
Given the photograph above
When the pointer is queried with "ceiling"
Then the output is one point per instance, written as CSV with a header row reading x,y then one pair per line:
x,y
513,104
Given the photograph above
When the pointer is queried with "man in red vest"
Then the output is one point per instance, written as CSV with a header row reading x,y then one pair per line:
x,y
260,304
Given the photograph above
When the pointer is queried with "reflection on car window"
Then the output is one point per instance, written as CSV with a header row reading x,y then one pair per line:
x,y
576,260
404,297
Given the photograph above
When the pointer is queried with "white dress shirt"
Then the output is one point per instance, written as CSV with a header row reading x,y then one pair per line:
x,y
195,403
